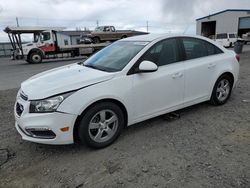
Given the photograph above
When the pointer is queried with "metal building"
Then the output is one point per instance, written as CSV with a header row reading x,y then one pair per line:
x,y
227,21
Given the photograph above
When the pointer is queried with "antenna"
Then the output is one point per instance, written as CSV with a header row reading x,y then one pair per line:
x,y
147,26
17,23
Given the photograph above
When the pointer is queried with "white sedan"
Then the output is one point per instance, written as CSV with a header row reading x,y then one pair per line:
x,y
129,81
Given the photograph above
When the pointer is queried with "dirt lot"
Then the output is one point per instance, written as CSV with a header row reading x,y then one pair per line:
x,y
207,147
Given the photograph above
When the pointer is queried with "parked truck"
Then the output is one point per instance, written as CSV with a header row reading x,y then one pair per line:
x,y
246,37
109,33
47,43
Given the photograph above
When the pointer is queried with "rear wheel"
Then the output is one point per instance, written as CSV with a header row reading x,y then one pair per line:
x,y
222,90
101,125
35,57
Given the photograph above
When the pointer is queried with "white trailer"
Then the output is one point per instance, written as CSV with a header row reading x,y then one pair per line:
x,y
48,42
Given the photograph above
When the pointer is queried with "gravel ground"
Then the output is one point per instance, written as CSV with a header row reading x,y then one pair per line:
x,y
206,147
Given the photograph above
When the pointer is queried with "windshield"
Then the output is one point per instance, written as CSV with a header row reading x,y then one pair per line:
x,y
99,28
115,56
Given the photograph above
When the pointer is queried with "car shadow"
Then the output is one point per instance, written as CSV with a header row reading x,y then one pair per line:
x,y
133,129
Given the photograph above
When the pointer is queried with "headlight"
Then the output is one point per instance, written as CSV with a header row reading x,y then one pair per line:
x,y
47,105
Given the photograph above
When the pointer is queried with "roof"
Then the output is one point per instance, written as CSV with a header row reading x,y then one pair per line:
x,y
227,10
30,29
152,37
147,37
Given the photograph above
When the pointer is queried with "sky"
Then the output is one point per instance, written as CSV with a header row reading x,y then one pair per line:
x,y
163,16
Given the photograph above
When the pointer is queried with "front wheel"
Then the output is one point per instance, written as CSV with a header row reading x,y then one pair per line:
x,y
35,57
222,90
101,125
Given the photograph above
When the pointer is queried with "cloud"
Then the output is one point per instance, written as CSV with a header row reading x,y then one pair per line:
x,y
162,15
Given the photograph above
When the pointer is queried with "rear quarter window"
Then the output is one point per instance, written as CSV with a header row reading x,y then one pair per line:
x,y
212,49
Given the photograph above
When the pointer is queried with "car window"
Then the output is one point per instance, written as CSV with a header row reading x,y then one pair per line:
x,y
194,48
232,36
221,36
45,36
212,49
162,53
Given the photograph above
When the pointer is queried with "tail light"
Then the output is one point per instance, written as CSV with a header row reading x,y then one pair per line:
x,y
237,57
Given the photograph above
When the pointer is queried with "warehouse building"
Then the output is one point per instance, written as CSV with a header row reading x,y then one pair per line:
x,y
227,21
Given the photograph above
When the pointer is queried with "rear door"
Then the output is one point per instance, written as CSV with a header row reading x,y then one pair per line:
x,y
200,68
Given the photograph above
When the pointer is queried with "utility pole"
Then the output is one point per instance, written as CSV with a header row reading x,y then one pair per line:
x,y
17,23
97,23
147,26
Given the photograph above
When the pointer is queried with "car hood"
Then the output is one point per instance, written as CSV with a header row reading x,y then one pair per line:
x,y
62,79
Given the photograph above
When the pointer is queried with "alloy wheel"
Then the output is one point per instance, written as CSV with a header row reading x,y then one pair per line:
x,y
223,90
103,126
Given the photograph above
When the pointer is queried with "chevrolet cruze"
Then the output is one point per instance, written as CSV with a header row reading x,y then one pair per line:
x,y
129,81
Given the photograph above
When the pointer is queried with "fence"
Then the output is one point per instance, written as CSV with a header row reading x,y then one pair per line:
x,y
5,49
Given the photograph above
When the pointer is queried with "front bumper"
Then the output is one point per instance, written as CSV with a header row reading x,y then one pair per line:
x,y
53,122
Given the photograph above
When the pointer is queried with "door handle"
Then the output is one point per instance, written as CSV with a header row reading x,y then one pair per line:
x,y
177,75
211,65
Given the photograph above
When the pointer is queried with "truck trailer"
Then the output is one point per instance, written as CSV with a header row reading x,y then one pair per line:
x,y
48,42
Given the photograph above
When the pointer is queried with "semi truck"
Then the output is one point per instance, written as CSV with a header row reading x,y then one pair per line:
x,y
109,33
48,42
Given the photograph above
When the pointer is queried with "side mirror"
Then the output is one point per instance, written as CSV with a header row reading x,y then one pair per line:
x,y
147,66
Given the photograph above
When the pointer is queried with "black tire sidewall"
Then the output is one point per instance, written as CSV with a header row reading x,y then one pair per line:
x,y
214,100
96,40
83,132
31,59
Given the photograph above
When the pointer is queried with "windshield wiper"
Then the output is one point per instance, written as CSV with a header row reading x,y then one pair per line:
x,y
92,66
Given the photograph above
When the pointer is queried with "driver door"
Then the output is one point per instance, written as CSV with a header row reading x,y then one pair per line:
x,y
158,92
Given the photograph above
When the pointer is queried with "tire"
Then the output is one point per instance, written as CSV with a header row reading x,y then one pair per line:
x,y
94,129
230,45
124,36
35,58
96,40
222,90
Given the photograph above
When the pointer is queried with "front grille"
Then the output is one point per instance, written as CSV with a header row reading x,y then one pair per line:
x,y
23,96
19,109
